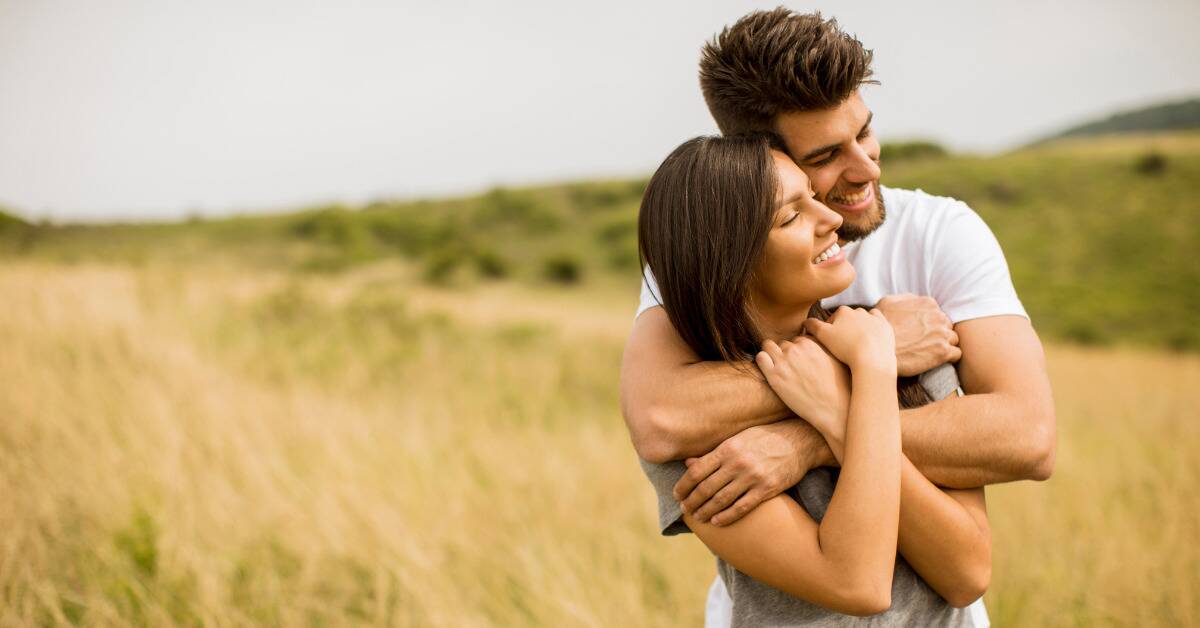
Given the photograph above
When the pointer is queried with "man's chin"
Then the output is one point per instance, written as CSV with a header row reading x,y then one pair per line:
x,y
864,226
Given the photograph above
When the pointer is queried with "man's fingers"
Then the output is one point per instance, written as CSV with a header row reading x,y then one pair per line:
x,y
706,489
696,473
953,338
722,500
749,501
955,354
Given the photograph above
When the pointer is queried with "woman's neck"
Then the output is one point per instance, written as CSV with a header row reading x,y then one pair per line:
x,y
780,324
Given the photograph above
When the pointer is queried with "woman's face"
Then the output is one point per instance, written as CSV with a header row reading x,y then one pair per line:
x,y
801,263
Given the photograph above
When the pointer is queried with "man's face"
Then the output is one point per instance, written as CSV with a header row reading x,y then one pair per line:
x,y
840,154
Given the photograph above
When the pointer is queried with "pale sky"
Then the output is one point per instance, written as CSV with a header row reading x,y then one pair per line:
x,y
123,109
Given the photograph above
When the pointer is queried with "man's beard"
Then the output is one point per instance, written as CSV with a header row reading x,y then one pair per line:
x,y
851,233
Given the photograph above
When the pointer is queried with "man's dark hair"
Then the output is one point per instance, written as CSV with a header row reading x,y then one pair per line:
x,y
773,62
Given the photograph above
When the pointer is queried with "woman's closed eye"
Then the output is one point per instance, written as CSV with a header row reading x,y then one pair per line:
x,y
787,221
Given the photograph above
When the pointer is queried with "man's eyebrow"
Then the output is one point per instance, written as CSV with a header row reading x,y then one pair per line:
x,y
825,149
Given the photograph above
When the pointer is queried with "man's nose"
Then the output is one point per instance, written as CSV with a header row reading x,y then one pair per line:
x,y
864,167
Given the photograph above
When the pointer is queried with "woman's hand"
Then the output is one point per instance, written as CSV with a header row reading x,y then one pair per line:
x,y
813,384
857,337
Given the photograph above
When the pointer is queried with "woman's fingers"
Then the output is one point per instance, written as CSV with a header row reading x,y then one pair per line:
x,y
764,361
816,328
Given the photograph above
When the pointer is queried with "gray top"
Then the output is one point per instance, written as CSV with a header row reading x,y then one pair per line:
x,y
756,604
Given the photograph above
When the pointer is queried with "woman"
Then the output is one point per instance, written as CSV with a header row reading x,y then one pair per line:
x,y
743,253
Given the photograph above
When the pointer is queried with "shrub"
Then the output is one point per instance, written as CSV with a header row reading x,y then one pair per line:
x,y
919,149
521,209
440,266
562,268
490,264
1152,164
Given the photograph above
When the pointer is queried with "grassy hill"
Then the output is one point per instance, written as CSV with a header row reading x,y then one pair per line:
x,y
1098,232
407,414
1176,116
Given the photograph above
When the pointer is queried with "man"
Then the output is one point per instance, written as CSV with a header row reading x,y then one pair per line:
x,y
798,76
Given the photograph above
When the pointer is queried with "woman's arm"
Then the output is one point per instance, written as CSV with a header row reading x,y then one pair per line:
x,y
846,562
944,533
945,537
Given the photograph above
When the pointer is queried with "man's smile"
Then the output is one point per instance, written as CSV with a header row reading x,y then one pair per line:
x,y
855,201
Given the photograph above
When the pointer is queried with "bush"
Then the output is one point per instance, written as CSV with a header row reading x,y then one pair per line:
x,y
10,223
920,149
562,268
440,266
338,227
521,209
1152,164
490,264
602,196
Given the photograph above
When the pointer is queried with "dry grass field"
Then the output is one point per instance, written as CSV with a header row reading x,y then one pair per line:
x,y
209,446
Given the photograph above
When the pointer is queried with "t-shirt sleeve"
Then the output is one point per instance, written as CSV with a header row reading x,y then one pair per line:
x,y
664,477
650,297
969,277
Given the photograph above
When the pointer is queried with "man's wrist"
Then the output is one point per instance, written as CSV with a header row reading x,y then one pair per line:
x,y
812,451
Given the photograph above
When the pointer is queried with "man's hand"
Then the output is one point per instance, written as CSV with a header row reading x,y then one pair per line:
x,y
749,468
925,337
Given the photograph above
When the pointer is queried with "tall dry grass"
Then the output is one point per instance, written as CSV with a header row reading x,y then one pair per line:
x,y
209,446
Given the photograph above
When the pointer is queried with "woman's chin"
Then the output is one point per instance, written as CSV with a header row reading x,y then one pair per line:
x,y
845,279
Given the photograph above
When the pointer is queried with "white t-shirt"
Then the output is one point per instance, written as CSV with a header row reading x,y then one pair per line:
x,y
927,245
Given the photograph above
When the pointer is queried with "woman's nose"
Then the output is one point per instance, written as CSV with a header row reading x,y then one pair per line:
x,y
830,220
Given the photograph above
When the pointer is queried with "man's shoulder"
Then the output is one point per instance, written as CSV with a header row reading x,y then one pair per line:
x,y
919,204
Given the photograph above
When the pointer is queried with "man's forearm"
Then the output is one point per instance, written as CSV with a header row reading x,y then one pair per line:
x,y
690,410
981,439
678,406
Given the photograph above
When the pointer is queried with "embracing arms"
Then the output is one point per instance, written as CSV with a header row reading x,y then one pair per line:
x,y
1004,430
678,406
845,563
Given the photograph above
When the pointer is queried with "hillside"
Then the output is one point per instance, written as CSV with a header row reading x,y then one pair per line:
x,y
1099,234
1176,116
9,222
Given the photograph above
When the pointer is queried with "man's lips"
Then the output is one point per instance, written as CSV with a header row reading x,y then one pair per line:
x,y
858,201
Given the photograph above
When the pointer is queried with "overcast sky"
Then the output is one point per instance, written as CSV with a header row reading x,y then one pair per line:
x,y
160,109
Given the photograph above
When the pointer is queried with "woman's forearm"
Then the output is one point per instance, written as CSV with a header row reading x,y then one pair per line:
x,y
859,529
945,537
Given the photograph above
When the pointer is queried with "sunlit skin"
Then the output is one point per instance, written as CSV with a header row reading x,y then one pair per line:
x,y
787,281
839,152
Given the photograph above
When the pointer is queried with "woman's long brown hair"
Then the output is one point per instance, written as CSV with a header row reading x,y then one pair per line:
x,y
703,224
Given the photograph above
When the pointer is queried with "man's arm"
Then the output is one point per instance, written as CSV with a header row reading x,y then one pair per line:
x,y
678,406
1002,432
1004,428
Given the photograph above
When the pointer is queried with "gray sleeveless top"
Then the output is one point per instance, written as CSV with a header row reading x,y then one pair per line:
x,y
756,604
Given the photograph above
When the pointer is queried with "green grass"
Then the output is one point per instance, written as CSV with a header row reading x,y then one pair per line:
x,y
1098,233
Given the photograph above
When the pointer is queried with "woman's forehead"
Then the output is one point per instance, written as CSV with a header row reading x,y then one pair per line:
x,y
793,183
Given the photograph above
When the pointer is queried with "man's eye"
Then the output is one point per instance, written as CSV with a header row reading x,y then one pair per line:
x,y
826,160
865,134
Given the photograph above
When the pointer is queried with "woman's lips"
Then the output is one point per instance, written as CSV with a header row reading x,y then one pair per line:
x,y
833,259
